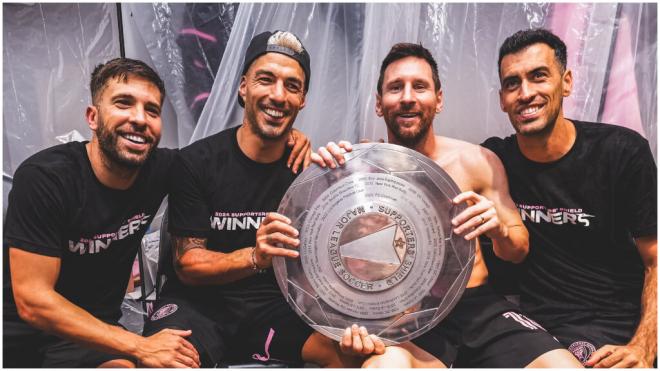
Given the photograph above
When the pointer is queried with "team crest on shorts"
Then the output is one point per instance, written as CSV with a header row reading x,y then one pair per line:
x,y
164,311
582,350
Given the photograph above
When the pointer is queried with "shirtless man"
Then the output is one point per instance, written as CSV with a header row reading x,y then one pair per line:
x,y
483,326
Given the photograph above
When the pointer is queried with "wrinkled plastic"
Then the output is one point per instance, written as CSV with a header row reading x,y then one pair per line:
x,y
347,43
50,50
49,53
133,315
186,43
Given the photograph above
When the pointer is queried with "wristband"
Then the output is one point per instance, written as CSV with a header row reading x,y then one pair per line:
x,y
255,267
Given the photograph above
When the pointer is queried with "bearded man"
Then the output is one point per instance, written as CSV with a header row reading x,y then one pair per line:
x,y
76,216
221,284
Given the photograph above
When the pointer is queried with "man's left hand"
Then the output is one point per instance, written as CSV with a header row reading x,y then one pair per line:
x,y
358,342
332,154
479,218
619,356
301,151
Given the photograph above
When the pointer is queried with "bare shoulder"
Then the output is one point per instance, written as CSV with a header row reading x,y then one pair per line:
x,y
470,154
479,164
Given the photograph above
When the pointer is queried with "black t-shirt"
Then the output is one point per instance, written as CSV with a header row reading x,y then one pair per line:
x,y
57,207
582,212
222,195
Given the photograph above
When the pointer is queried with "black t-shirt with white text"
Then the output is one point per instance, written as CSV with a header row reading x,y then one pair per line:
x,y
583,212
221,194
58,208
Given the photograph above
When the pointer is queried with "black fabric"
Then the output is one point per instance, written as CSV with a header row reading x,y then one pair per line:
x,y
582,212
57,207
220,337
485,330
223,195
585,336
32,348
204,322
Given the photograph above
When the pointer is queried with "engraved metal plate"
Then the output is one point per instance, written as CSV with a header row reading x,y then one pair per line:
x,y
376,244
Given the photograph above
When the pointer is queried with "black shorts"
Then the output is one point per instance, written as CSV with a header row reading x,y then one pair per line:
x,y
485,330
24,346
584,336
269,331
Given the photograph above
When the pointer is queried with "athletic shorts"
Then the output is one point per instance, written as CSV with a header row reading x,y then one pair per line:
x,y
24,346
269,331
583,337
485,330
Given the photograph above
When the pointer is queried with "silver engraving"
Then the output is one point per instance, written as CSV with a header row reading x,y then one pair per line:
x,y
377,247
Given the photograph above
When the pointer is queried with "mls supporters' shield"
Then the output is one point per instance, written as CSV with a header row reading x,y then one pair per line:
x,y
376,245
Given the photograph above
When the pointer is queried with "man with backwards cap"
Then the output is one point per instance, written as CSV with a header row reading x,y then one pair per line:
x,y
77,213
221,285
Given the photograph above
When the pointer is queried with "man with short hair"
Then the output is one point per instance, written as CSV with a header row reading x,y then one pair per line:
x,y
587,194
483,326
77,213
221,284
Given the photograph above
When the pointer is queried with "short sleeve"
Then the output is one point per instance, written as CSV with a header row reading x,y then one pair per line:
x,y
188,208
639,190
36,212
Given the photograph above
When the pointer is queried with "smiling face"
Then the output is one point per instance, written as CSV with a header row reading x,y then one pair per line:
x,y
409,100
532,89
126,120
273,89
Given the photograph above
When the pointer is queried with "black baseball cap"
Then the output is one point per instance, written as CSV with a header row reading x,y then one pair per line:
x,y
265,42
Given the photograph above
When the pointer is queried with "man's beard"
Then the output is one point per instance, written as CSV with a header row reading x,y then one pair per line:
x,y
108,144
542,132
263,134
408,140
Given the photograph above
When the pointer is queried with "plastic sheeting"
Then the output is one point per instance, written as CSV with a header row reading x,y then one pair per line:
x,y
50,50
186,43
49,53
347,43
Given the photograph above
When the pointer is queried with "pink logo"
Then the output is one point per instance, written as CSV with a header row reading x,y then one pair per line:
x,y
164,311
582,350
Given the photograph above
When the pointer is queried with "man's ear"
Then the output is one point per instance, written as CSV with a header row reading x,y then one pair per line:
x,y
379,106
501,100
441,103
302,101
567,83
92,117
242,88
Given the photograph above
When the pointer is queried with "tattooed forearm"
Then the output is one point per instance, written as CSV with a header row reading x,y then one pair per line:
x,y
183,244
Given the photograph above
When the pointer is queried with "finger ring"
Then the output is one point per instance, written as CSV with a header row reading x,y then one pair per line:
x,y
482,219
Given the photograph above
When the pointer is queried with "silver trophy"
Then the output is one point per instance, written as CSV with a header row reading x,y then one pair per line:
x,y
376,245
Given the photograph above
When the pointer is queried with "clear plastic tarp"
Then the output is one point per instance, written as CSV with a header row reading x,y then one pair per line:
x,y
49,53
50,49
612,52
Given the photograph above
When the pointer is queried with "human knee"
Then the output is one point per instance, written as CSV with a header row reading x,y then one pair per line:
x,y
558,358
394,357
117,363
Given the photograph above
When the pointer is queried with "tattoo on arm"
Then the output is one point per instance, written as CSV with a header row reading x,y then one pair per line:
x,y
183,244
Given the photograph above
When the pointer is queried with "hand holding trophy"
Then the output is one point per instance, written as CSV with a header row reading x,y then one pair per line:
x,y
376,245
